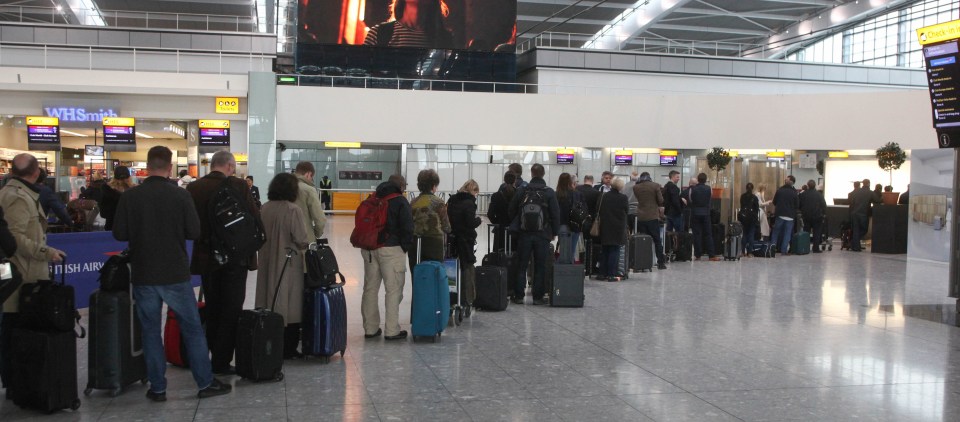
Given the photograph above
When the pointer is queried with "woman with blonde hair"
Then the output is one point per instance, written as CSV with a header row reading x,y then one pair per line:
x,y
111,194
764,220
462,212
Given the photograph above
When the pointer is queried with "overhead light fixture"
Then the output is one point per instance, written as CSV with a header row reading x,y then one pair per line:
x,y
59,8
144,135
334,144
73,133
838,154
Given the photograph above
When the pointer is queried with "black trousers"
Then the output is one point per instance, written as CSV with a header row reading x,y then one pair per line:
x,y
224,290
10,321
815,228
291,340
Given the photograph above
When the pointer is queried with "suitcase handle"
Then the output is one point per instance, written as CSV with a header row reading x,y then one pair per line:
x,y
286,263
133,336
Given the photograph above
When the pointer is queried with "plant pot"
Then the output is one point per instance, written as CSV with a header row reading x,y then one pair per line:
x,y
891,198
717,193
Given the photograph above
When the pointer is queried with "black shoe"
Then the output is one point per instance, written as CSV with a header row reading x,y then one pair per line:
x,y
467,311
539,302
157,397
661,266
294,355
376,334
216,388
517,301
400,336
229,370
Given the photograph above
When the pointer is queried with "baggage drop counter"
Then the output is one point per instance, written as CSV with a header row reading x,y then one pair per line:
x,y
86,253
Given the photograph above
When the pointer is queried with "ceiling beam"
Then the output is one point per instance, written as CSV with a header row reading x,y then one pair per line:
x,y
566,3
765,28
817,3
633,22
752,15
580,21
699,28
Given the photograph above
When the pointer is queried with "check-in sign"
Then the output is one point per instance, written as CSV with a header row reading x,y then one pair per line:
x,y
228,105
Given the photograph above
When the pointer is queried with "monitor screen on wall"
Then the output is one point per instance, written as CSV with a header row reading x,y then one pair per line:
x,y
668,160
565,158
623,160
488,25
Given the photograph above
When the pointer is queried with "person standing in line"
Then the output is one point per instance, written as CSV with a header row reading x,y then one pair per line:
x,y
283,224
589,194
254,191
517,169
813,208
650,208
224,285
764,217
785,203
111,194
605,180
386,265
700,196
568,198
631,200
904,198
50,202
462,211
749,217
612,213
157,218
534,241
430,221
314,219
673,203
499,213
325,185
26,221
860,205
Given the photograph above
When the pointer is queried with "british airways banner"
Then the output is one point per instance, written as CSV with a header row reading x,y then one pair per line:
x,y
86,253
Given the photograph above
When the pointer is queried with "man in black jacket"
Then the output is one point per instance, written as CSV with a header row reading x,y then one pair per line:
x,y
157,218
536,198
673,204
813,207
860,202
700,196
388,265
785,204
590,196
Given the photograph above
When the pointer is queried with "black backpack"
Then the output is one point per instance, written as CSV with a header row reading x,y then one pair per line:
x,y
322,268
236,233
578,216
115,273
533,216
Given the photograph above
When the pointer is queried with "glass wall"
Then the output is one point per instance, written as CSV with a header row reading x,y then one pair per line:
x,y
888,40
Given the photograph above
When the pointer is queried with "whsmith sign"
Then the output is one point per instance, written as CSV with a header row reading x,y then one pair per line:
x,y
81,113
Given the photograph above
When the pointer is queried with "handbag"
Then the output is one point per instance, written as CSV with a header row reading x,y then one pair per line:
x,y
595,228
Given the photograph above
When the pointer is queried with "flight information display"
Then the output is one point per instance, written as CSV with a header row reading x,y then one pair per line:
x,y
943,79
214,135
43,133
119,134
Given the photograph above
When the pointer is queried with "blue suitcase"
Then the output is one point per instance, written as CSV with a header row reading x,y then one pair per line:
x,y
431,301
324,322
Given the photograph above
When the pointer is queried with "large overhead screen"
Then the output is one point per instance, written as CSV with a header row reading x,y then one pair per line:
x,y
941,52
488,25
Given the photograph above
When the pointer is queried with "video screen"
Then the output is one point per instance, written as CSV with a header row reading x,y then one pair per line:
x,y
668,160
93,150
489,25
214,137
565,158
623,160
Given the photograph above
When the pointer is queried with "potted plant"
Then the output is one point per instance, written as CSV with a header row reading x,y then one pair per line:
x,y
718,159
890,157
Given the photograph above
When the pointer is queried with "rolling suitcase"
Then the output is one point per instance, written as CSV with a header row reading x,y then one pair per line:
x,y
732,248
641,253
259,355
564,248
431,300
491,278
173,346
719,232
115,351
566,285
451,266
800,243
44,368
684,250
592,257
623,267
324,328
49,305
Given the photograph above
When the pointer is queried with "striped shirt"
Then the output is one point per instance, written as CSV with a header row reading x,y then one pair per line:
x,y
403,36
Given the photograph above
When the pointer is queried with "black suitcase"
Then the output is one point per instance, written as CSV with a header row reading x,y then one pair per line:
x,y
492,288
591,257
566,285
641,253
719,233
48,305
259,353
44,368
684,247
115,351
324,322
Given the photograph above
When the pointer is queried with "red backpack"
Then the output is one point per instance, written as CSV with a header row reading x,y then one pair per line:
x,y
371,220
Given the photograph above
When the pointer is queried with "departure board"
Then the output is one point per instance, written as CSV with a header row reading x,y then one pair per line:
x,y
943,79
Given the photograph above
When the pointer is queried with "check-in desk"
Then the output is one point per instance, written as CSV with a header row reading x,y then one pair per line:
x,y
890,229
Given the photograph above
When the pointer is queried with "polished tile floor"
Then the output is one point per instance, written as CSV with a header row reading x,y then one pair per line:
x,y
810,338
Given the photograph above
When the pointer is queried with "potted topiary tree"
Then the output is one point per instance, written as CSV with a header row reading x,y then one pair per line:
x,y
890,157
718,159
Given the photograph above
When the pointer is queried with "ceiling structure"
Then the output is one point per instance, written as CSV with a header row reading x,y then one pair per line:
x,y
724,27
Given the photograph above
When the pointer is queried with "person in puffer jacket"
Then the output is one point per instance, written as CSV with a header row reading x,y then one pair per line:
x,y
430,221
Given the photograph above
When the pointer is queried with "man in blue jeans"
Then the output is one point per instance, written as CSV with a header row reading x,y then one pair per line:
x,y
157,218
534,199
785,203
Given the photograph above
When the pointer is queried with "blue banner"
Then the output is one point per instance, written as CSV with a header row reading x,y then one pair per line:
x,y
86,253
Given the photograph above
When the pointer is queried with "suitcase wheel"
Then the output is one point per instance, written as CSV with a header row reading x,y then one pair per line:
x,y
115,392
87,391
279,376
75,404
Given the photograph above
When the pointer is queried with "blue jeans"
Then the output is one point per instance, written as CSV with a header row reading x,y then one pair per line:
x,y
749,236
531,244
180,298
782,231
567,256
675,224
611,260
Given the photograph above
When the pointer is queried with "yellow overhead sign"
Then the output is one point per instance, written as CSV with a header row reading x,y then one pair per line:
x,y
215,124
118,121
228,105
776,154
939,33
240,157
332,144
566,151
669,152
42,121
838,154
624,152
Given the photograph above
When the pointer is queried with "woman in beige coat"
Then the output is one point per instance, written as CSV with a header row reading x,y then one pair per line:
x,y
283,224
